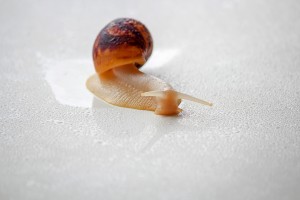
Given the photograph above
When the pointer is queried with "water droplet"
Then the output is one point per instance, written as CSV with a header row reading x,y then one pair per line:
x,y
58,121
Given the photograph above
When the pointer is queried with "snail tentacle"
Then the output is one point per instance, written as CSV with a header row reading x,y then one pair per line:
x,y
179,95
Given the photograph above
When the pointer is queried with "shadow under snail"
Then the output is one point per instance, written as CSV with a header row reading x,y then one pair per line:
x,y
120,49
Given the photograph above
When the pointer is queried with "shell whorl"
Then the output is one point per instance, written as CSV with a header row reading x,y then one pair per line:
x,y
122,41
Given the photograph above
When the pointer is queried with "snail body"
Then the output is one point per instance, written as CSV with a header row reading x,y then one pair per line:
x,y
120,49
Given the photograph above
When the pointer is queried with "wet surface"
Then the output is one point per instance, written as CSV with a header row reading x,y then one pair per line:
x,y
67,78
58,142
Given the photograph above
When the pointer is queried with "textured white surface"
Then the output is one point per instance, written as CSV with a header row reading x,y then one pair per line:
x,y
57,143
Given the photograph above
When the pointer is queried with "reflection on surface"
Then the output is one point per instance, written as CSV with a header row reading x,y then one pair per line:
x,y
164,125
161,57
136,129
67,80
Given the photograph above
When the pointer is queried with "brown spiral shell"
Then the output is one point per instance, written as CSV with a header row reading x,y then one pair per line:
x,y
123,41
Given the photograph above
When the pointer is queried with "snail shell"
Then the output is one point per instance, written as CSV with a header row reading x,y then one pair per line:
x,y
120,49
123,41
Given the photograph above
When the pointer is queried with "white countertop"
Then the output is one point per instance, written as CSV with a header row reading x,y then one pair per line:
x,y
57,142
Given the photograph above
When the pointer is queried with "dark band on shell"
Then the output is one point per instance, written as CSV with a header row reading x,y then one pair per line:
x,y
124,32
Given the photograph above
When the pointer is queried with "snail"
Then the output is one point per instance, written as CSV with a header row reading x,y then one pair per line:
x,y
121,48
